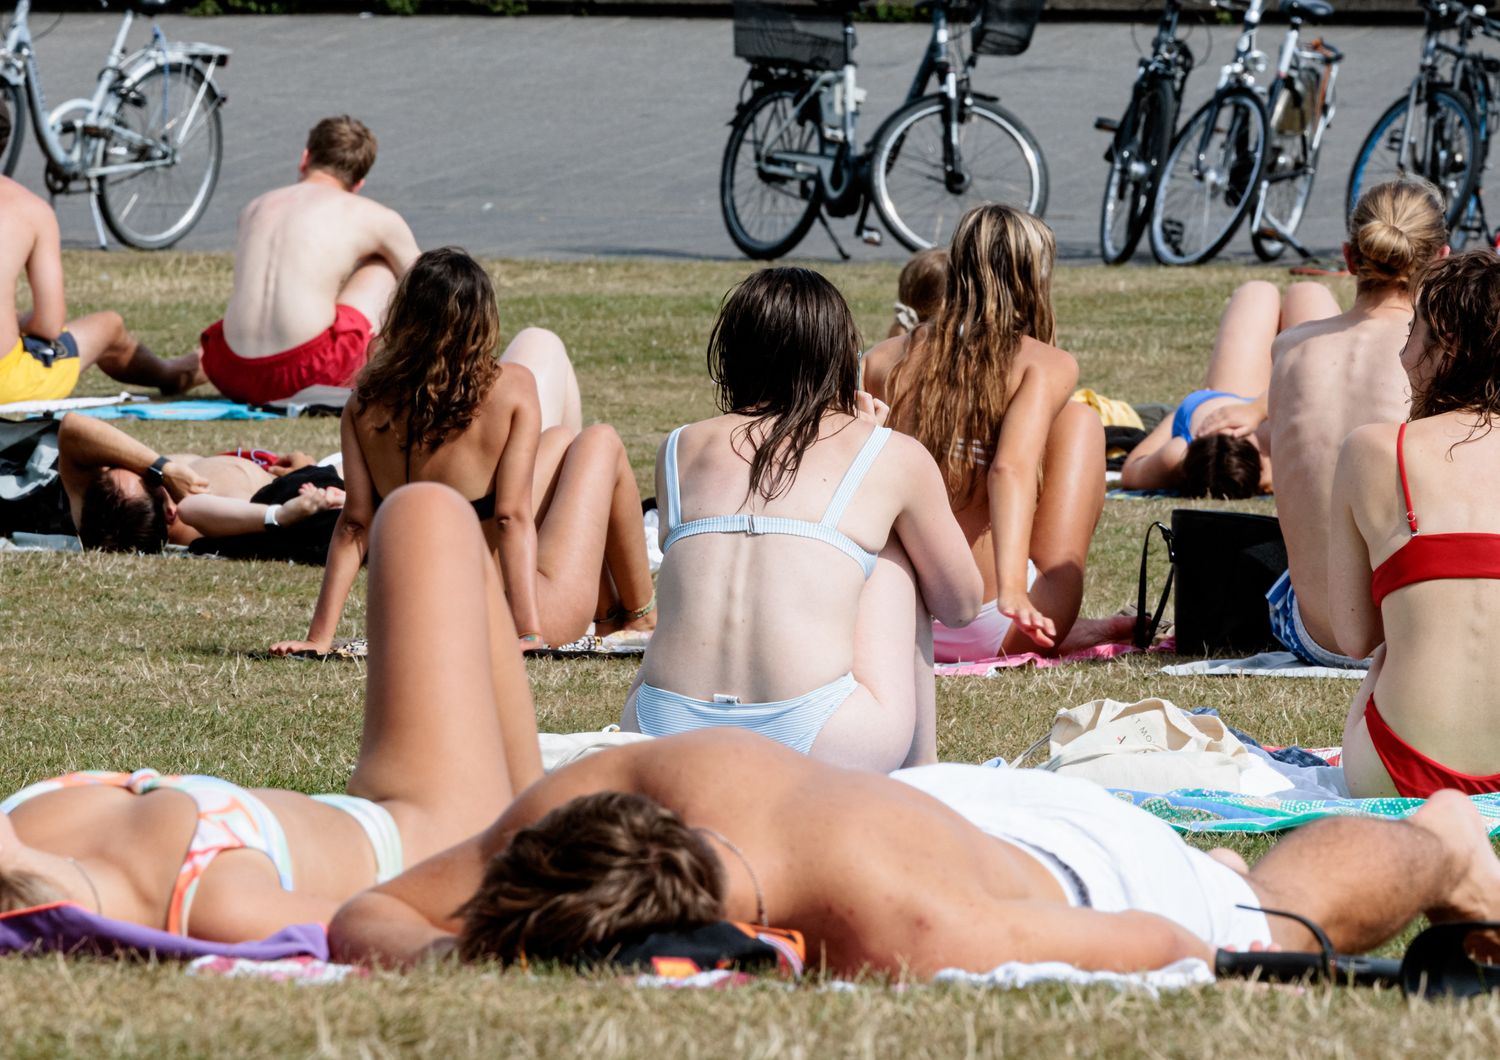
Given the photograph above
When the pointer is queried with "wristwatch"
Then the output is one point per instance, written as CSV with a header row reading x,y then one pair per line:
x,y
153,474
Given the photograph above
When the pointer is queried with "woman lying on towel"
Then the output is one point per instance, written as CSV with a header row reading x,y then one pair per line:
x,y
803,546
560,507
437,763
984,389
1414,552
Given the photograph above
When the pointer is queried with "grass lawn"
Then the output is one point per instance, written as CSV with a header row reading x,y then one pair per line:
x,y
118,662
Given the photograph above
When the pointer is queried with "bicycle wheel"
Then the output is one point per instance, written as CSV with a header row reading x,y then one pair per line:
x,y
1443,148
768,205
1210,179
1287,182
1001,163
166,123
15,98
1139,148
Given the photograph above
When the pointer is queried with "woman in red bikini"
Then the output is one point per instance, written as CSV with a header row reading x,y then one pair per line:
x,y
1414,556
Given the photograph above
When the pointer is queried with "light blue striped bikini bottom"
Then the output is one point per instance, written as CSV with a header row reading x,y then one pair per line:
x,y
794,722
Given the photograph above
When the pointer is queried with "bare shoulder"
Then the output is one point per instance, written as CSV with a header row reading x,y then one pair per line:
x,y
882,357
20,201
1047,361
1308,334
514,385
1368,449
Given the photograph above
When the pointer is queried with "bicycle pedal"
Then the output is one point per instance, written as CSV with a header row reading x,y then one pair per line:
x,y
1108,125
871,236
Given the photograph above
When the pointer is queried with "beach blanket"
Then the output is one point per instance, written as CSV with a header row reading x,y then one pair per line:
x,y
64,927
1266,664
34,409
181,410
990,667
1198,810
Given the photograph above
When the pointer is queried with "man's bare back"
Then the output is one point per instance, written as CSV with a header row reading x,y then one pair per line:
x,y
1329,377
298,248
26,221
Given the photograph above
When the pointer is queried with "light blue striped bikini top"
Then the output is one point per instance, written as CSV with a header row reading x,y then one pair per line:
x,y
825,529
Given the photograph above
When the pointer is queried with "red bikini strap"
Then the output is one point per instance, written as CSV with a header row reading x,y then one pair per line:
x,y
1411,512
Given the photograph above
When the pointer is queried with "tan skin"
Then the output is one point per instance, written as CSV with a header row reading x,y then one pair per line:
x,y
1434,668
1043,436
448,736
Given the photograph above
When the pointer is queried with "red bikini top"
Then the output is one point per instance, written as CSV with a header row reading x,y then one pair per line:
x,y
1432,557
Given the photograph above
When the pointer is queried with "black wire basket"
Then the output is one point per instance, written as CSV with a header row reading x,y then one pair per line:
x,y
789,34
1005,26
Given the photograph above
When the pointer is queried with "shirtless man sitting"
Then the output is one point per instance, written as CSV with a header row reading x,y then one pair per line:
x,y
314,266
42,353
125,497
933,867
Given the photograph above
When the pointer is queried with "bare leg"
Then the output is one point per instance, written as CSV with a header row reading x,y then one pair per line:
x,y
1306,301
1362,881
103,340
369,289
1067,511
450,734
550,450
1241,361
556,384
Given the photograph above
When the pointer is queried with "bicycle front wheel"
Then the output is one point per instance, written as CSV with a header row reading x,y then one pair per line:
x,y
1441,146
1139,149
1210,180
163,144
768,198
996,161
15,99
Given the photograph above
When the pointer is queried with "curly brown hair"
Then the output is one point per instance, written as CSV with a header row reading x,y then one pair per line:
x,y
435,358
596,872
1458,299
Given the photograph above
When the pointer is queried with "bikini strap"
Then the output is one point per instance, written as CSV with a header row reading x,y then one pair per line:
x,y
1411,512
852,479
671,491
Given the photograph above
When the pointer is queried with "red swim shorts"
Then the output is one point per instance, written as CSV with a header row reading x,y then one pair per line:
x,y
330,358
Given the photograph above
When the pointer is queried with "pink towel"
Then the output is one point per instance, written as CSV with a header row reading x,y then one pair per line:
x,y
988,667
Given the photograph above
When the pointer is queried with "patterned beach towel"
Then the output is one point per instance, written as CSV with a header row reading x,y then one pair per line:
x,y
1199,810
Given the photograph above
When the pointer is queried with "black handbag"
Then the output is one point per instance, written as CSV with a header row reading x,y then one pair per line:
x,y
1223,563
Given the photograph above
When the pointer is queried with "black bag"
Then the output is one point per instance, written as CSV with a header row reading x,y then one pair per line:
x,y
1223,564
43,506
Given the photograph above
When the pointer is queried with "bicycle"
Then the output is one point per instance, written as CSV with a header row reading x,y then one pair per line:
x,y
1142,137
1249,150
146,147
1454,96
790,159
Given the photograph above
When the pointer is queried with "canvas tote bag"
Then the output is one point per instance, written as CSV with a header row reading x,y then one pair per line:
x,y
1151,745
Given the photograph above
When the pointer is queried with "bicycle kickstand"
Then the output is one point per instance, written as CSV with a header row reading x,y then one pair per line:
x,y
823,219
98,217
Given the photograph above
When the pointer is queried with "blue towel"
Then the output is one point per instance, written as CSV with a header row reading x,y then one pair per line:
x,y
181,410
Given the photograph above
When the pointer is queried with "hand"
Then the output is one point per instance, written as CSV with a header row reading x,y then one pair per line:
x,y
292,647
869,407
1025,617
310,500
285,465
182,481
1234,418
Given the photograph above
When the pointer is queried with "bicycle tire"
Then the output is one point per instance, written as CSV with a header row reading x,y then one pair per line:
x,y
912,138
1287,196
757,119
15,99
1434,158
173,108
1231,179
1142,140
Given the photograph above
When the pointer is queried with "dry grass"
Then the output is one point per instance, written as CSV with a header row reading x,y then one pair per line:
x,y
117,662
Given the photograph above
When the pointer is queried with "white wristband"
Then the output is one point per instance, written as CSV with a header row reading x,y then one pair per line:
x,y
271,516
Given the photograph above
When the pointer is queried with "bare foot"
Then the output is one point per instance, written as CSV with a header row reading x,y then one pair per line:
x,y
1476,894
1087,632
1227,857
185,373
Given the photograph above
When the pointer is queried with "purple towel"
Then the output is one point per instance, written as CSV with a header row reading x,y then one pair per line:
x,y
70,929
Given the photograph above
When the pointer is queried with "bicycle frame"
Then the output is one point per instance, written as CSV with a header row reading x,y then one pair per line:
x,y
1434,51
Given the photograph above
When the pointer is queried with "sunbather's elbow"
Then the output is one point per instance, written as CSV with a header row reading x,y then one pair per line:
x,y
511,520
961,603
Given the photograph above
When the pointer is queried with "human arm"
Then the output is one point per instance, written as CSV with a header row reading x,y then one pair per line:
x,y
515,518
86,446
1357,622
44,275
226,516
877,364
949,580
346,548
395,243
1156,463
1238,419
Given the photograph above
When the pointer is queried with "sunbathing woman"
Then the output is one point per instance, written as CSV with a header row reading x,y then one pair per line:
x,y
1208,446
987,393
803,544
920,290
560,508
438,761
1414,552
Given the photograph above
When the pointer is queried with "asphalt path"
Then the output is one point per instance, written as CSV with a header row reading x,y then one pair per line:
x,y
560,137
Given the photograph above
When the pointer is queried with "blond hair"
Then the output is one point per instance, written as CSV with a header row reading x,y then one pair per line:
x,y
1395,230
953,397
20,889
919,291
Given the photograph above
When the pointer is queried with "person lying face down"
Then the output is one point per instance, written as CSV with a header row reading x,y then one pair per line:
x,y
125,497
930,868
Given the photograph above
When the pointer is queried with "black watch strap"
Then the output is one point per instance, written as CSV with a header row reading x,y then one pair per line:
x,y
153,475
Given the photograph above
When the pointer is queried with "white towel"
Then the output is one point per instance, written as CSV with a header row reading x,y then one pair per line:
x,y
1266,664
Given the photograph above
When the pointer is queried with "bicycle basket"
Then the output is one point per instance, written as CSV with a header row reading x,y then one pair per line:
x,y
1005,26
789,34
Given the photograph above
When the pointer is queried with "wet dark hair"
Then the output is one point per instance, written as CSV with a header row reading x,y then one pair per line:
x,y
437,354
116,521
1221,466
598,871
784,351
1458,298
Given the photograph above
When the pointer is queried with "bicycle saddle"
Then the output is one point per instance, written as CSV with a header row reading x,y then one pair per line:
x,y
1311,10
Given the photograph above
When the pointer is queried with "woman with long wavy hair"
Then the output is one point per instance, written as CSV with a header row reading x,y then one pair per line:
x,y
560,508
984,389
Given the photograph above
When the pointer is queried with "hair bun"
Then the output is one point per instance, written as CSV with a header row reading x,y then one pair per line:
x,y
1396,227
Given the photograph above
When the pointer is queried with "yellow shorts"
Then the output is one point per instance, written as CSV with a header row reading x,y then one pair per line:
x,y
38,371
